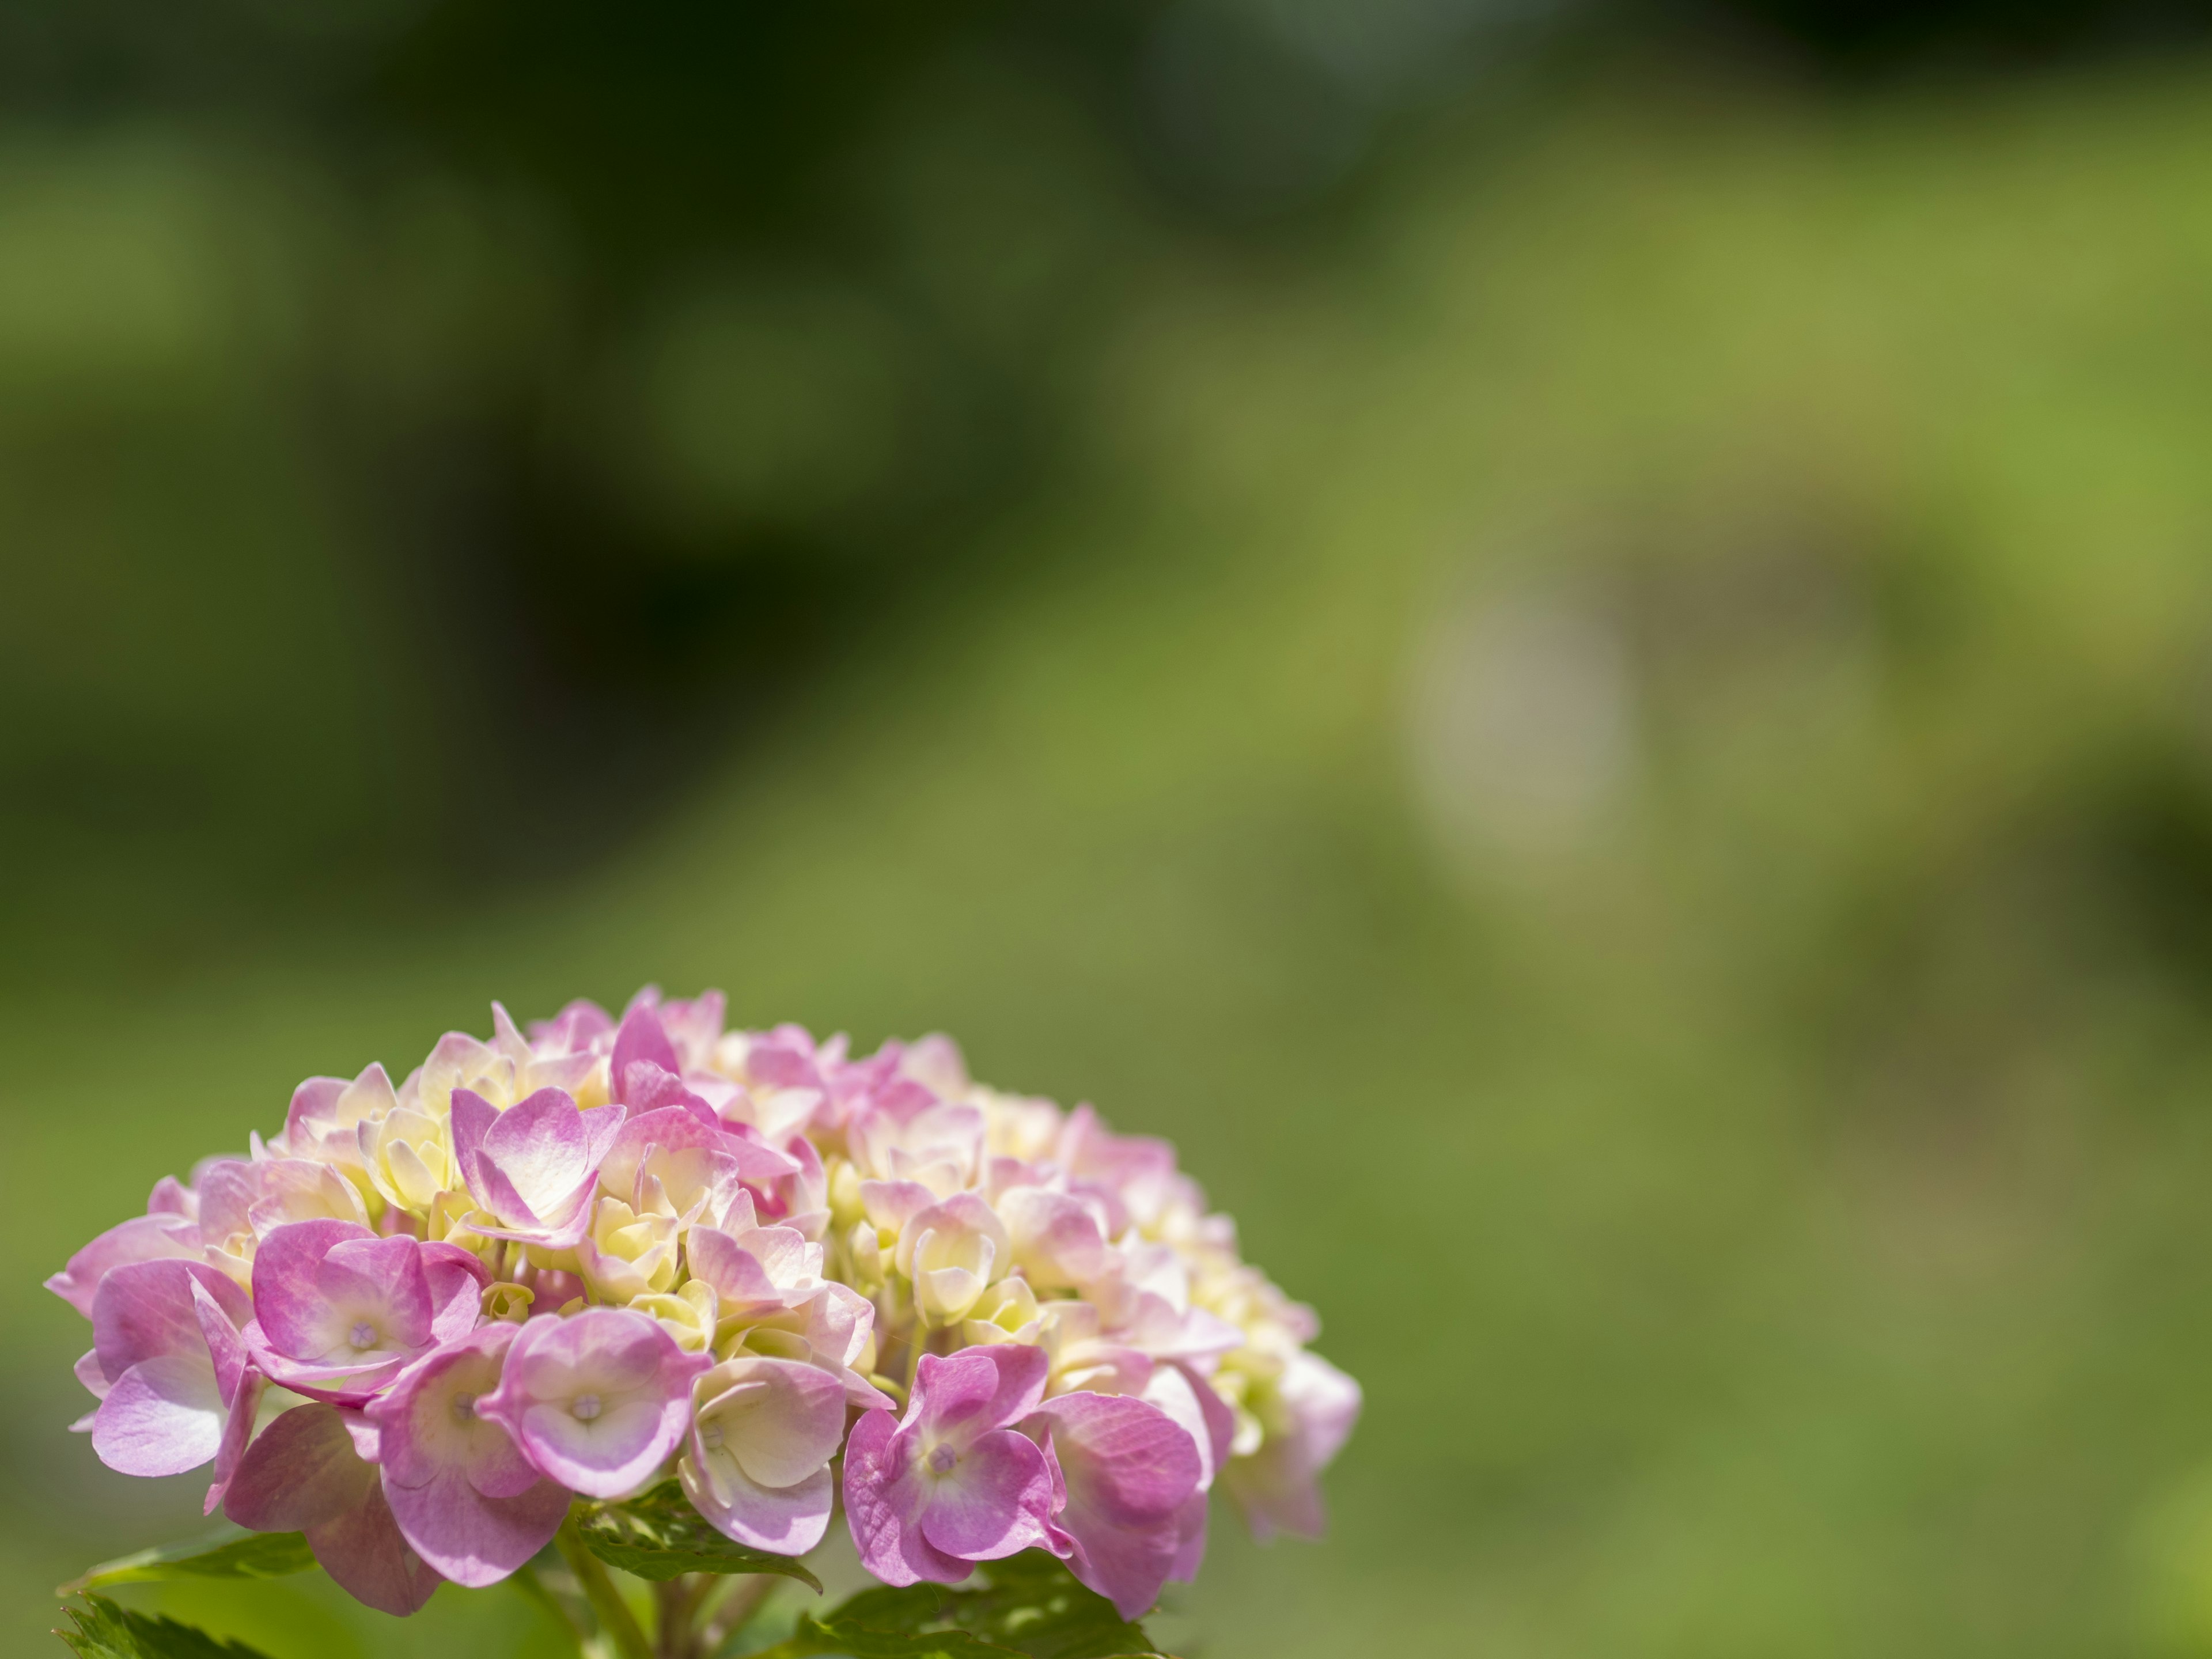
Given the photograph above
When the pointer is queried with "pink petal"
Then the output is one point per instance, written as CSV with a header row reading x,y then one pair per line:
x,y
456,1279
674,1129
237,1432
470,1537
579,1025
894,1203
314,1100
639,1380
162,1416
1128,1470
649,1087
993,1502
1191,1548
142,1238
385,1274
640,1038
228,1189
540,1146
978,1389
472,1120
144,1309
300,1189
789,1422
425,1430
1203,1414
784,1520
225,1348
755,1274
300,1471
891,1547
671,1128
506,1201
363,1549
296,1315
1056,1241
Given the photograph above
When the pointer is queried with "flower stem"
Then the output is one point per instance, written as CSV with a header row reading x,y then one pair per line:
x,y
744,1600
616,1619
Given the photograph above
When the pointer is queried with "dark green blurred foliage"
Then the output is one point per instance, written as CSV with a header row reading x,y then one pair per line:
x,y
1581,666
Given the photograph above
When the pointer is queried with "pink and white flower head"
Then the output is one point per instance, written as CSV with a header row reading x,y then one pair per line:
x,y
582,1257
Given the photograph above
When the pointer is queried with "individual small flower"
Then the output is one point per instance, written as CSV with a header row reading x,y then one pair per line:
x,y
327,1112
1304,1415
668,1161
756,1465
1144,1300
168,1364
461,1490
340,1311
1125,1472
532,1167
298,1189
305,1473
833,1329
694,1029
597,1401
227,1189
1055,1239
688,1313
937,1145
640,1039
1137,1170
757,1273
505,1071
953,1251
953,1483
627,1255
1085,1356
407,1156
1008,1312
581,1027
799,1200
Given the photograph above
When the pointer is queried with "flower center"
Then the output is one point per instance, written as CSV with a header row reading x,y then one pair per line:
x,y
942,1458
584,1407
464,1407
362,1335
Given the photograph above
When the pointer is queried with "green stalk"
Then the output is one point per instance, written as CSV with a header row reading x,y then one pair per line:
x,y
534,1587
616,1619
730,1615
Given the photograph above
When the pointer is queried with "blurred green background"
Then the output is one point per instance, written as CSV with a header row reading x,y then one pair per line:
x,y
1573,643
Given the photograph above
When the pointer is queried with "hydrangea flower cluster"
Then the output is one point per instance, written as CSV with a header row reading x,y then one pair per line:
x,y
420,1321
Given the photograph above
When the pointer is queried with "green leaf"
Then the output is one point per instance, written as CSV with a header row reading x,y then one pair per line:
x,y
104,1631
661,1536
227,1555
1029,1604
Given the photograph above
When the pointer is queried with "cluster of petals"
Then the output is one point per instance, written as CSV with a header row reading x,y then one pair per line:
x,y
422,1320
